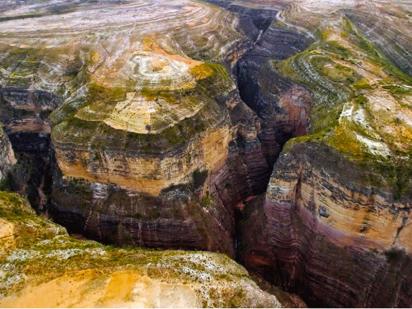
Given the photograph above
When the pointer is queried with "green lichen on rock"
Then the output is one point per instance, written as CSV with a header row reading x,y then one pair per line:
x,y
39,251
362,103
29,67
87,121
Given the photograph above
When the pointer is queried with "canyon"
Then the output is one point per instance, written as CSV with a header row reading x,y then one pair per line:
x,y
276,133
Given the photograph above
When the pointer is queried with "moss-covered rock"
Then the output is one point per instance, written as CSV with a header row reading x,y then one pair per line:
x,y
40,256
361,106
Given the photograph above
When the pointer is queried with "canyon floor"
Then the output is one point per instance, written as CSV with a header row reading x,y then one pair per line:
x,y
220,153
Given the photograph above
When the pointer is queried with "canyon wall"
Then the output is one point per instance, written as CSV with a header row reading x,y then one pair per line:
x,y
38,258
328,234
148,144
334,224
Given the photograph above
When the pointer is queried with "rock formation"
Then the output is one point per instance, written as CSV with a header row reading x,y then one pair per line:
x,y
27,96
7,158
38,257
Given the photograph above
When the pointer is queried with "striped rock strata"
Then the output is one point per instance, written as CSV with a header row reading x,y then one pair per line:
x,y
150,140
38,257
334,225
153,145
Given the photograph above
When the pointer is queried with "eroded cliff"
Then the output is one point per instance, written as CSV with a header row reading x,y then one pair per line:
x,y
38,257
7,158
336,215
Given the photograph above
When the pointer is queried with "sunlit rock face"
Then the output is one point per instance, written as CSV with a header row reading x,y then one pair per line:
x,y
329,235
42,266
334,225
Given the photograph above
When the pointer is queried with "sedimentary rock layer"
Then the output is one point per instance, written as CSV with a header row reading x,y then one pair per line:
x,y
335,221
152,144
281,106
328,234
39,258
149,135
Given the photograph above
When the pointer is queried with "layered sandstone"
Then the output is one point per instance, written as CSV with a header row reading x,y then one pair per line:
x,y
39,258
153,145
329,234
29,91
336,215
281,106
151,142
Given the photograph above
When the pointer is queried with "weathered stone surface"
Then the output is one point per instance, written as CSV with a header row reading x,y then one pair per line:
x,y
42,259
282,107
7,158
150,140
328,234
265,91
153,145
28,93
147,124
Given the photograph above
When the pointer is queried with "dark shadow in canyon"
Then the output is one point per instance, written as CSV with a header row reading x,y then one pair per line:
x,y
24,114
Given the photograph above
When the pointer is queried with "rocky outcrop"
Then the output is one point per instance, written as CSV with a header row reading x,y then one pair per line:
x,y
282,107
25,116
162,171
29,91
390,31
143,138
39,257
7,158
329,235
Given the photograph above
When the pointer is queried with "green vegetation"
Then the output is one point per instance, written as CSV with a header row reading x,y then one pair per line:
x,y
342,69
398,91
80,121
206,201
361,84
43,251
